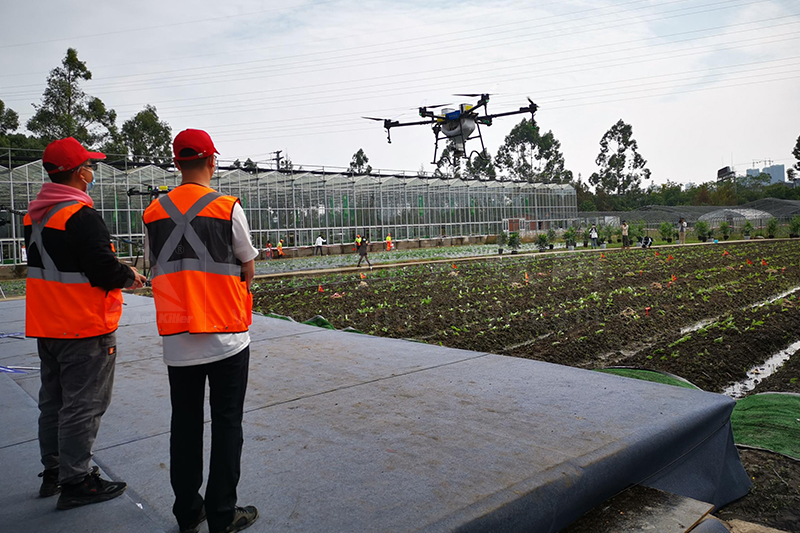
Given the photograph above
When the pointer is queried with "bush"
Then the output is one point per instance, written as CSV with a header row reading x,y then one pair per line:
x,y
772,227
748,228
587,234
702,230
725,230
606,232
665,230
542,242
794,225
570,236
636,231
502,239
551,235
514,240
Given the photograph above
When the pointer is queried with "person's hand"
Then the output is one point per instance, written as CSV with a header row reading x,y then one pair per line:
x,y
138,281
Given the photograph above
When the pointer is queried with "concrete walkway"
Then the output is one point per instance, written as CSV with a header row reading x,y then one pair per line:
x,y
347,432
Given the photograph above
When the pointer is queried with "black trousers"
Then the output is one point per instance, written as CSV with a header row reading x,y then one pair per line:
x,y
227,381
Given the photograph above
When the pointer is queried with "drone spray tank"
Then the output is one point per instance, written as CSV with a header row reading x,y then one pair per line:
x,y
458,125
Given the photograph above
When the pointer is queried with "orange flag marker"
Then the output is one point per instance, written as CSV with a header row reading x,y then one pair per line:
x,y
320,289
764,262
749,262
725,252
363,276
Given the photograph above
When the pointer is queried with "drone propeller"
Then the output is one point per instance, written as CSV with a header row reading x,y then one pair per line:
x,y
373,118
473,95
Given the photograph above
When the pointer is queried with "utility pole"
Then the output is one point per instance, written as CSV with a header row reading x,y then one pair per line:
x,y
278,159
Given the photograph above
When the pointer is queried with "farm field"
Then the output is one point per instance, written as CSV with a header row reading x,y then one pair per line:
x,y
630,308
706,313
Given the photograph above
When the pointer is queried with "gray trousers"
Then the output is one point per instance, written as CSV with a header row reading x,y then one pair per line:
x,y
77,378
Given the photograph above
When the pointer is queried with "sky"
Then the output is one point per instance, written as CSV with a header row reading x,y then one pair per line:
x,y
704,83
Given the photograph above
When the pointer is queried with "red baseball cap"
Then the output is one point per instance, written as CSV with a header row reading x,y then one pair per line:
x,y
196,140
67,154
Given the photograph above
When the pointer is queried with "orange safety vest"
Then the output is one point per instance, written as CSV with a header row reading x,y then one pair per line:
x,y
197,279
64,305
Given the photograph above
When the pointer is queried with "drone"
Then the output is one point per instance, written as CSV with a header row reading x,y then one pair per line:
x,y
456,125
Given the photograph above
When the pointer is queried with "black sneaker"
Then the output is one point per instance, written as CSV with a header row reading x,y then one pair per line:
x,y
93,489
192,527
50,486
243,517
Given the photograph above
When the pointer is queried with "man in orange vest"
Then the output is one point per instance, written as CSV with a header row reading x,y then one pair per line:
x,y
280,247
198,244
73,306
389,242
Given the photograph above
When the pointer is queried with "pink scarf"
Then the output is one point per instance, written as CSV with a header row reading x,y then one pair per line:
x,y
52,194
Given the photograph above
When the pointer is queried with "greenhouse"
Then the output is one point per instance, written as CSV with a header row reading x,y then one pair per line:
x,y
296,206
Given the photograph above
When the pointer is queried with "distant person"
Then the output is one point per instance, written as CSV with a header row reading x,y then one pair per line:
x,y
361,247
593,235
682,231
318,244
647,242
268,251
198,242
280,248
73,309
388,242
626,242
23,254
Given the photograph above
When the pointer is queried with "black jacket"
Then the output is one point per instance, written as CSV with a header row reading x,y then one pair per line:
x,y
85,247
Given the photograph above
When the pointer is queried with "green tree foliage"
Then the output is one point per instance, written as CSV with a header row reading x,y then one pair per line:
x,y
359,163
449,162
250,165
481,167
9,120
622,168
67,111
796,154
530,156
147,138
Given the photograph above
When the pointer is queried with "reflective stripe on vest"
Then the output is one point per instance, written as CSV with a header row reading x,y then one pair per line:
x,y
183,228
60,304
195,294
50,272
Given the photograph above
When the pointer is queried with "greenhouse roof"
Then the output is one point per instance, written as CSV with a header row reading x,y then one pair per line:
x,y
730,213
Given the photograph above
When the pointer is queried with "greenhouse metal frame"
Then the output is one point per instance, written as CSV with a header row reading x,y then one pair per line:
x,y
296,206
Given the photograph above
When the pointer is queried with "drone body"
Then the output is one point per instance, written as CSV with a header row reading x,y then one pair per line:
x,y
457,125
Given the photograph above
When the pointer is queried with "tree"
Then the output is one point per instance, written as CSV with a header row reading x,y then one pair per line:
x,y
796,154
251,166
450,157
358,164
147,138
530,156
9,120
67,111
481,167
621,166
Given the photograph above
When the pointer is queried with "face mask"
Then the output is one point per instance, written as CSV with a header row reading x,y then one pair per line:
x,y
89,185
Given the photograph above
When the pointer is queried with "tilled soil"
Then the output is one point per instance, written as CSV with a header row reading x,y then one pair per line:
x,y
774,500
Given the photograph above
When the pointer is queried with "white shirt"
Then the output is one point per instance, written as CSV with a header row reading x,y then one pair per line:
x,y
320,240
186,349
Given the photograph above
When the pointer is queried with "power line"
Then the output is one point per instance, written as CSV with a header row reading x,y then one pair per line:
x,y
470,35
